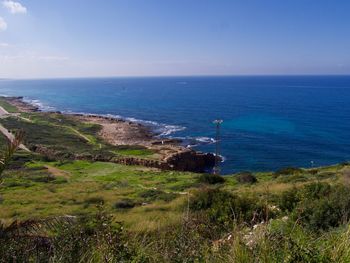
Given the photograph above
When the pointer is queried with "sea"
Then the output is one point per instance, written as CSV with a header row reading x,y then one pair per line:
x,y
269,122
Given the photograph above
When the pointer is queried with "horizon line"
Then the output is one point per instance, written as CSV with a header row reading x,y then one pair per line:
x,y
179,76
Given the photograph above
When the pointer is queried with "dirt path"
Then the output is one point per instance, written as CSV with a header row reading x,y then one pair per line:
x,y
57,172
3,112
6,133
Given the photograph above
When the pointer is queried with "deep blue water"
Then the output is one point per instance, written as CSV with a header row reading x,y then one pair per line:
x,y
269,122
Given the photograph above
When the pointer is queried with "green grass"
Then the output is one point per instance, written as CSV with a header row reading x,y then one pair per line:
x,y
134,151
33,192
66,136
7,106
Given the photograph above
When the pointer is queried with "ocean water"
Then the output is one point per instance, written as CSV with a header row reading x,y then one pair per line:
x,y
269,122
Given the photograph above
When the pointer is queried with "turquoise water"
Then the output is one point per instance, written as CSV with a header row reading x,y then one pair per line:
x,y
269,122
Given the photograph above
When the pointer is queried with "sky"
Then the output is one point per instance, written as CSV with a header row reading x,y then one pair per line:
x,y
85,38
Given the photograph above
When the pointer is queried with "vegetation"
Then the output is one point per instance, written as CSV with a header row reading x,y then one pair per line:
x,y
62,137
246,178
67,210
9,151
211,179
7,106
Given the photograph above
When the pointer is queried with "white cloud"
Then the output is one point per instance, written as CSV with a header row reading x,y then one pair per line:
x,y
3,44
3,24
14,7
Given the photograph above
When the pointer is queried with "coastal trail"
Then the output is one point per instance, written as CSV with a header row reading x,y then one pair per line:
x,y
57,172
6,133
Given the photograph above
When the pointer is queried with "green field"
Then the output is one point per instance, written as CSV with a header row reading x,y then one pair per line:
x,y
8,107
32,190
65,137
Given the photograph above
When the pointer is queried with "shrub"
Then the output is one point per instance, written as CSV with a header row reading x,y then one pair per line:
x,y
86,239
189,241
154,194
125,204
315,191
224,207
288,171
96,200
288,200
323,206
293,178
313,171
246,178
326,175
211,179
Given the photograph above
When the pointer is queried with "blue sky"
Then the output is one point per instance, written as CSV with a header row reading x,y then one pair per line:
x,y
78,38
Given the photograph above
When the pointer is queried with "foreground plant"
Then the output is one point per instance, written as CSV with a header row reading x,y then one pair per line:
x,y
9,151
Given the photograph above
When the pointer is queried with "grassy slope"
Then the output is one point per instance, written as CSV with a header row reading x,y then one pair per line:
x,y
76,187
64,134
8,107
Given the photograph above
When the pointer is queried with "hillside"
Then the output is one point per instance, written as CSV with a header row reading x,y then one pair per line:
x,y
71,201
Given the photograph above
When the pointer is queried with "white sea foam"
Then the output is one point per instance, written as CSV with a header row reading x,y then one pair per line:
x,y
190,141
206,140
223,158
37,103
160,129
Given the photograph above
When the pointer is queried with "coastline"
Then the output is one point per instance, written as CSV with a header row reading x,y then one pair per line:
x,y
171,154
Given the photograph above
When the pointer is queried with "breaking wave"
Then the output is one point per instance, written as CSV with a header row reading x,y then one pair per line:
x,y
37,103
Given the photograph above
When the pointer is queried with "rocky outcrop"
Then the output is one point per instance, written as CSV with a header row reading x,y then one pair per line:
x,y
190,160
21,105
187,160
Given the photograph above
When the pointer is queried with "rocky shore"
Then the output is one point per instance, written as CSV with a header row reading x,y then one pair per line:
x,y
170,154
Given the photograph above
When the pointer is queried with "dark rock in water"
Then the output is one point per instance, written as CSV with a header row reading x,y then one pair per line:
x,y
191,160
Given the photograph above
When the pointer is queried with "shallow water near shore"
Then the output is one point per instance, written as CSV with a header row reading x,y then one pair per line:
x,y
269,122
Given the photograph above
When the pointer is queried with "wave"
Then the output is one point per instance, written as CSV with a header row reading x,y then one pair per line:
x,y
160,129
37,103
191,142
223,158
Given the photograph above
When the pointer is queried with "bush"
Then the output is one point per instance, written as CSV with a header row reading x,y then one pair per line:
x,y
125,204
288,200
211,179
224,208
189,241
154,194
94,200
288,171
246,178
293,178
315,191
323,206
88,239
